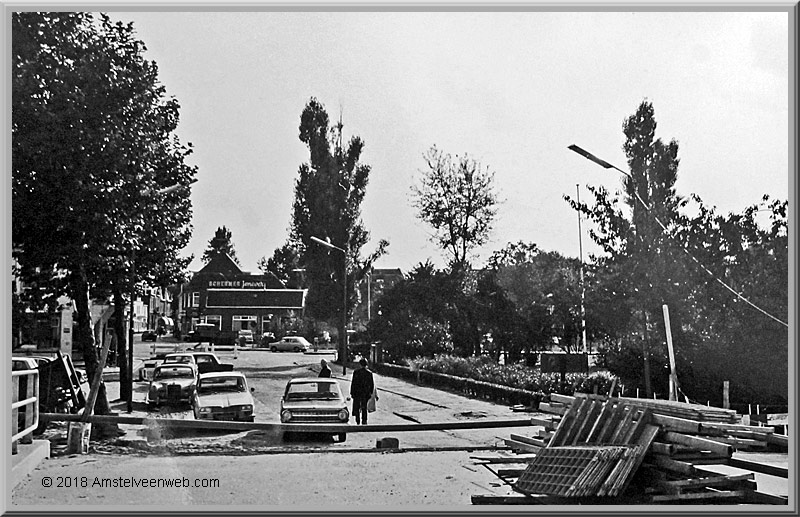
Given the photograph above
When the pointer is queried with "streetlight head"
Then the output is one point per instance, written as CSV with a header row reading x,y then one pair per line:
x,y
590,156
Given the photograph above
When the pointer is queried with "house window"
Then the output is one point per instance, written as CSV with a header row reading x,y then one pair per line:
x,y
244,322
214,319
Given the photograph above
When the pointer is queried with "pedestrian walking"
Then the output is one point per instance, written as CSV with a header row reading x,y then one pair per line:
x,y
361,388
324,371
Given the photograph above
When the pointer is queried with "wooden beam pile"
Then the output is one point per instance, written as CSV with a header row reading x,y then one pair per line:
x,y
600,450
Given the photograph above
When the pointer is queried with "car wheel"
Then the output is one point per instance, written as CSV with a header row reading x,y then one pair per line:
x,y
342,437
297,349
274,349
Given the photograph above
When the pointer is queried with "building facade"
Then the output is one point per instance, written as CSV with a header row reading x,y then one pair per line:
x,y
224,295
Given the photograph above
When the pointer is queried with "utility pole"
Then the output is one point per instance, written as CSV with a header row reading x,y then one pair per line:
x,y
583,285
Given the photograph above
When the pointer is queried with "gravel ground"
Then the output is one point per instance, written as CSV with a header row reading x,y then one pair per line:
x,y
402,481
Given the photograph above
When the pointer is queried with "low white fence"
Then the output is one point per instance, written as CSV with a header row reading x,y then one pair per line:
x,y
24,406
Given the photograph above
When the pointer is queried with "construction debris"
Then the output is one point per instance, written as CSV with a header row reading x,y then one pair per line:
x,y
601,450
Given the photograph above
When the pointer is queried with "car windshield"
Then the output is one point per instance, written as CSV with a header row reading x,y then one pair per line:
x,y
313,391
185,359
176,372
221,384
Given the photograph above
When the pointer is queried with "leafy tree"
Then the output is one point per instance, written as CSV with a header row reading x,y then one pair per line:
x,y
741,336
285,265
660,256
328,194
457,198
92,141
642,257
531,297
413,315
220,243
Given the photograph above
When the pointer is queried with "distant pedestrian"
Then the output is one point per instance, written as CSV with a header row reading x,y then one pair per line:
x,y
361,389
324,370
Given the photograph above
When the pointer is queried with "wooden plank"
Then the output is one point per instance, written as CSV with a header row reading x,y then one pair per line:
x,y
681,467
550,425
493,499
761,468
614,418
563,399
696,441
597,426
555,409
779,440
623,426
700,496
588,419
757,497
517,458
718,480
675,424
538,442
519,446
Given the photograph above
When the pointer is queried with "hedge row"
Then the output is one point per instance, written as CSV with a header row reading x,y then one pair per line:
x,y
534,387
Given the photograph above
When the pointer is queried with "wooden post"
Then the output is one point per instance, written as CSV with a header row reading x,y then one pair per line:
x,y
98,378
673,373
726,388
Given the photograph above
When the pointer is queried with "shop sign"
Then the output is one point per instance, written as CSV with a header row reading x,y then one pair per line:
x,y
237,284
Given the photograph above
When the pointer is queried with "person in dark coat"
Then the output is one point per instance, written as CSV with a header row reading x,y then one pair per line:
x,y
361,388
324,370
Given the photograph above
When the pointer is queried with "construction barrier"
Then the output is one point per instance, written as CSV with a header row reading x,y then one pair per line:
x,y
170,423
24,406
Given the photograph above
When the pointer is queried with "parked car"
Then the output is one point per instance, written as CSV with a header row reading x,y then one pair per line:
x,y
149,366
290,344
149,335
314,400
223,396
247,335
206,362
172,383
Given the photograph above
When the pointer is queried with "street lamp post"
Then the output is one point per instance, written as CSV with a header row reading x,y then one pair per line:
x,y
146,192
343,337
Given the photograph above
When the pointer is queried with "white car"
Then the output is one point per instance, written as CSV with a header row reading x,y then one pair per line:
x,y
314,400
223,396
290,344
247,335
172,383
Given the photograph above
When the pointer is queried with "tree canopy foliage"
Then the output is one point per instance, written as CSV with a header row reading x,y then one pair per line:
x,y
659,255
457,197
222,242
329,191
93,144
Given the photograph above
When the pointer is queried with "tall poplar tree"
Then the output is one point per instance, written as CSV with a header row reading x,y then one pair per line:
x,y
328,194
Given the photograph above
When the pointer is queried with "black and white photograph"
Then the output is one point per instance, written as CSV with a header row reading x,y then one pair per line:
x,y
390,257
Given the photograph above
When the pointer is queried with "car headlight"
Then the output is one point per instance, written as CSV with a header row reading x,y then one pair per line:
x,y
344,415
247,407
205,410
286,415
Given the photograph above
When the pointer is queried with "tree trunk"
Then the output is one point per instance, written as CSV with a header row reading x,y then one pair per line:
x,y
122,345
84,338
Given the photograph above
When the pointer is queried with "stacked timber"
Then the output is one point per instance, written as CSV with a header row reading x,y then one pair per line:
x,y
600,450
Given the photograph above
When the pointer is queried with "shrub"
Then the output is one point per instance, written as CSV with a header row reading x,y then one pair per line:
x,y
484,368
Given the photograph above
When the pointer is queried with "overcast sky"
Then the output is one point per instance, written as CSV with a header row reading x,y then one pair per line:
x,y
512,90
